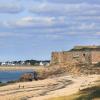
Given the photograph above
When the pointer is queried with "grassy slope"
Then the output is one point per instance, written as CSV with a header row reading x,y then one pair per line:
x,y
86,94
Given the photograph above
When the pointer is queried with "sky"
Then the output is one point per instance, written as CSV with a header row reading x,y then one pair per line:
x,y
32,29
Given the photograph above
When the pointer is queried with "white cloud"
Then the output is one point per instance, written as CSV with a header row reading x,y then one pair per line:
x,y
65,9
51,36
55,18
29,26
10,8
5,34
89,18
87,26
34,22
98,33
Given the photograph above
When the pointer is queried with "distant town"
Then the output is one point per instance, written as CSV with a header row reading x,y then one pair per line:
x,y
26,63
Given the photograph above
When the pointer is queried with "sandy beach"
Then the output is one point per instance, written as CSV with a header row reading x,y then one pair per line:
x,y
45,89
15,68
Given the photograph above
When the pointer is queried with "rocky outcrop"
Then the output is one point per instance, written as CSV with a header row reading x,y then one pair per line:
x,y
80,69
29,76
26,77
59,70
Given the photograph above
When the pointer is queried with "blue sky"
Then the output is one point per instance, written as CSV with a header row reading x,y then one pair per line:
x,y
32,29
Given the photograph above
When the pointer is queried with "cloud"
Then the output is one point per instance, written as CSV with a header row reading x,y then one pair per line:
x,y
51,36
67,1
5,34
35,22
86,26
10,8
52,27
54,18
53,9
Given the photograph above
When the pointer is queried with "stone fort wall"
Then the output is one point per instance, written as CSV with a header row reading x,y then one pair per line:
x,y
95,56
71,57
80,54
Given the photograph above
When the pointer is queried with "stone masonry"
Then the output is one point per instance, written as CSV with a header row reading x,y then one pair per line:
x,y
79,54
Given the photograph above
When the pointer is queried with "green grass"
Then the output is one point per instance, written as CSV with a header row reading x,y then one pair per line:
x,y
86,94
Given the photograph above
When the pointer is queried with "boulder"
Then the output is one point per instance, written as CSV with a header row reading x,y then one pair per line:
x,y
26,77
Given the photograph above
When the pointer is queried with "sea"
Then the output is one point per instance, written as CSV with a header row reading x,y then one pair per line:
x,y
6,76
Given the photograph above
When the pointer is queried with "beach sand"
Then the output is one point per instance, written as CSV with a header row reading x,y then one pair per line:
x,y
20,68
47,88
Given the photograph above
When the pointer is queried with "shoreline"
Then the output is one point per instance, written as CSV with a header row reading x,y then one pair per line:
x,y
19,68
16,70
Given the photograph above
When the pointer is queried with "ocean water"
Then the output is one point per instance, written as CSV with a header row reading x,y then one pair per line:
x,y
6,76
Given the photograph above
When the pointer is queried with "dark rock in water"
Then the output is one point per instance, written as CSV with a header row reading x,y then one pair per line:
x,y
29,76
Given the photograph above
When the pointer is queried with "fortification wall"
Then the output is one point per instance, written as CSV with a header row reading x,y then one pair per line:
x,y
54,58
82,56
95,56
71,57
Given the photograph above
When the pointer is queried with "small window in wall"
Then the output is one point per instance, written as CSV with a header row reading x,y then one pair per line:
x,y
84,54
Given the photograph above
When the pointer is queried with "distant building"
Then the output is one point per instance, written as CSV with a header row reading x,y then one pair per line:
x,y
41,63
3,63
80,54
44,63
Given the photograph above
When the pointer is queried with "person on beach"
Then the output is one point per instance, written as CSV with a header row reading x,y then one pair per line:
x,y
23,86
19,86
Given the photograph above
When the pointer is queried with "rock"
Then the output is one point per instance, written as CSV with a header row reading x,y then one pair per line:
x,y
29,76
26,77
